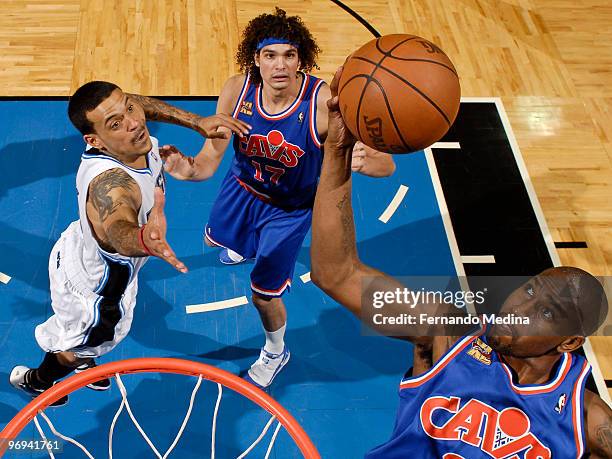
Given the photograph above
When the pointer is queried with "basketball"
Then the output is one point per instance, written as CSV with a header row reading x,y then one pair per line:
x,y
399,93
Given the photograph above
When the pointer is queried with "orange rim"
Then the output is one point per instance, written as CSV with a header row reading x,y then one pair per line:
x,y
160,365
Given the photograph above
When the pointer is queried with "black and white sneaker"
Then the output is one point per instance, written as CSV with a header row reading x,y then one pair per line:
x,y
21,378
103,384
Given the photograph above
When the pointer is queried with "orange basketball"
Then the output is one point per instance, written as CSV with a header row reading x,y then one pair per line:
x,y
399,93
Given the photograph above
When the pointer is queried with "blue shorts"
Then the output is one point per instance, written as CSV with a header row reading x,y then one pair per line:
x,y
245,223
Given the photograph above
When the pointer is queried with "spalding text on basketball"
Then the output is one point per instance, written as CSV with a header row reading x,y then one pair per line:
x,y
430,47
374,127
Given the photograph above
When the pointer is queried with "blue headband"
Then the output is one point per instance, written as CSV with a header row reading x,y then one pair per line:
x,y
275,41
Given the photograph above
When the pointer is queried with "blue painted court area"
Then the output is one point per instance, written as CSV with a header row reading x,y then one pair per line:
x,y
340,385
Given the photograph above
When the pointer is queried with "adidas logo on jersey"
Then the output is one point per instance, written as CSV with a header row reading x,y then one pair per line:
x,y
272,146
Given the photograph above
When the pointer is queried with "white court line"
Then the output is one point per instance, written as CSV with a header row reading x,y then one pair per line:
x,y
448,226
479,99
4,278
477,259
449,145
552,251
305,277
215,306
394,204
588,350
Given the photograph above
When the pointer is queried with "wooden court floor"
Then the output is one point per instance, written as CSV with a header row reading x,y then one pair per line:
x,y
550,61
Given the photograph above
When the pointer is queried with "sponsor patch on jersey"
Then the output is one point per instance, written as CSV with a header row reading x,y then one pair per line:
x,y
246,108
480,351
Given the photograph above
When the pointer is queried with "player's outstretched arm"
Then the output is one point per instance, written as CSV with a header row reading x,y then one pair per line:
x,y
218,126
336,267
598,418
112,208
206,163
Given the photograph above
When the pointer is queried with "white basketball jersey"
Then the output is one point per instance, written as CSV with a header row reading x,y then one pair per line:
x,y
85,255
93,292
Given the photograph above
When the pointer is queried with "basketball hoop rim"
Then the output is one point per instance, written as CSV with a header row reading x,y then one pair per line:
x,y
161,365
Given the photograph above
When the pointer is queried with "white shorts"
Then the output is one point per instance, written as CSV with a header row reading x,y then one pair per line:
x,y
83,322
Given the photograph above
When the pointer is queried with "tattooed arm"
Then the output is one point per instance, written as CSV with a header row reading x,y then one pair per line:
x,y
218,126
206,162
113,203
598,417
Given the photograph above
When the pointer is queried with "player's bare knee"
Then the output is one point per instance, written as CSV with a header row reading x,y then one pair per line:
x,y
209,243
265,302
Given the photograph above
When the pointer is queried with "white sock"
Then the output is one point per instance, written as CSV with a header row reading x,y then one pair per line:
x,y
275,341
234,255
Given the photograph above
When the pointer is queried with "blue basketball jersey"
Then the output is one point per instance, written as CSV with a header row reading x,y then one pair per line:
x,y
468,407
280,160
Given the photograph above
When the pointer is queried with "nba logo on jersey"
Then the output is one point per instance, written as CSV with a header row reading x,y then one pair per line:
x,y
561,403
272,146
502,434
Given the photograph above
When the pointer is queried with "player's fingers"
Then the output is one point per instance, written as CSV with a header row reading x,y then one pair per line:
x,y
170,163
166,151
333,104
237,126
218,135
164,252
357,163
336,80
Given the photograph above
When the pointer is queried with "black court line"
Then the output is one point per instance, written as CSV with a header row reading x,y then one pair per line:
x,y
571,245
356,15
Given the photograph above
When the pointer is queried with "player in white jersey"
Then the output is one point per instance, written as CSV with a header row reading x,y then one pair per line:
x,y
93,267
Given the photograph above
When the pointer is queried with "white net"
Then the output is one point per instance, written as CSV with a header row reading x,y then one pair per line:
x,y
125,405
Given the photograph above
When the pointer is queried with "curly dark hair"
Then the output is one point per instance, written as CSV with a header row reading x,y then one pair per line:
x,y
277,25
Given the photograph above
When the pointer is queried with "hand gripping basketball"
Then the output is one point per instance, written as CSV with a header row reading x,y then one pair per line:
x,y
154,234
337,132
